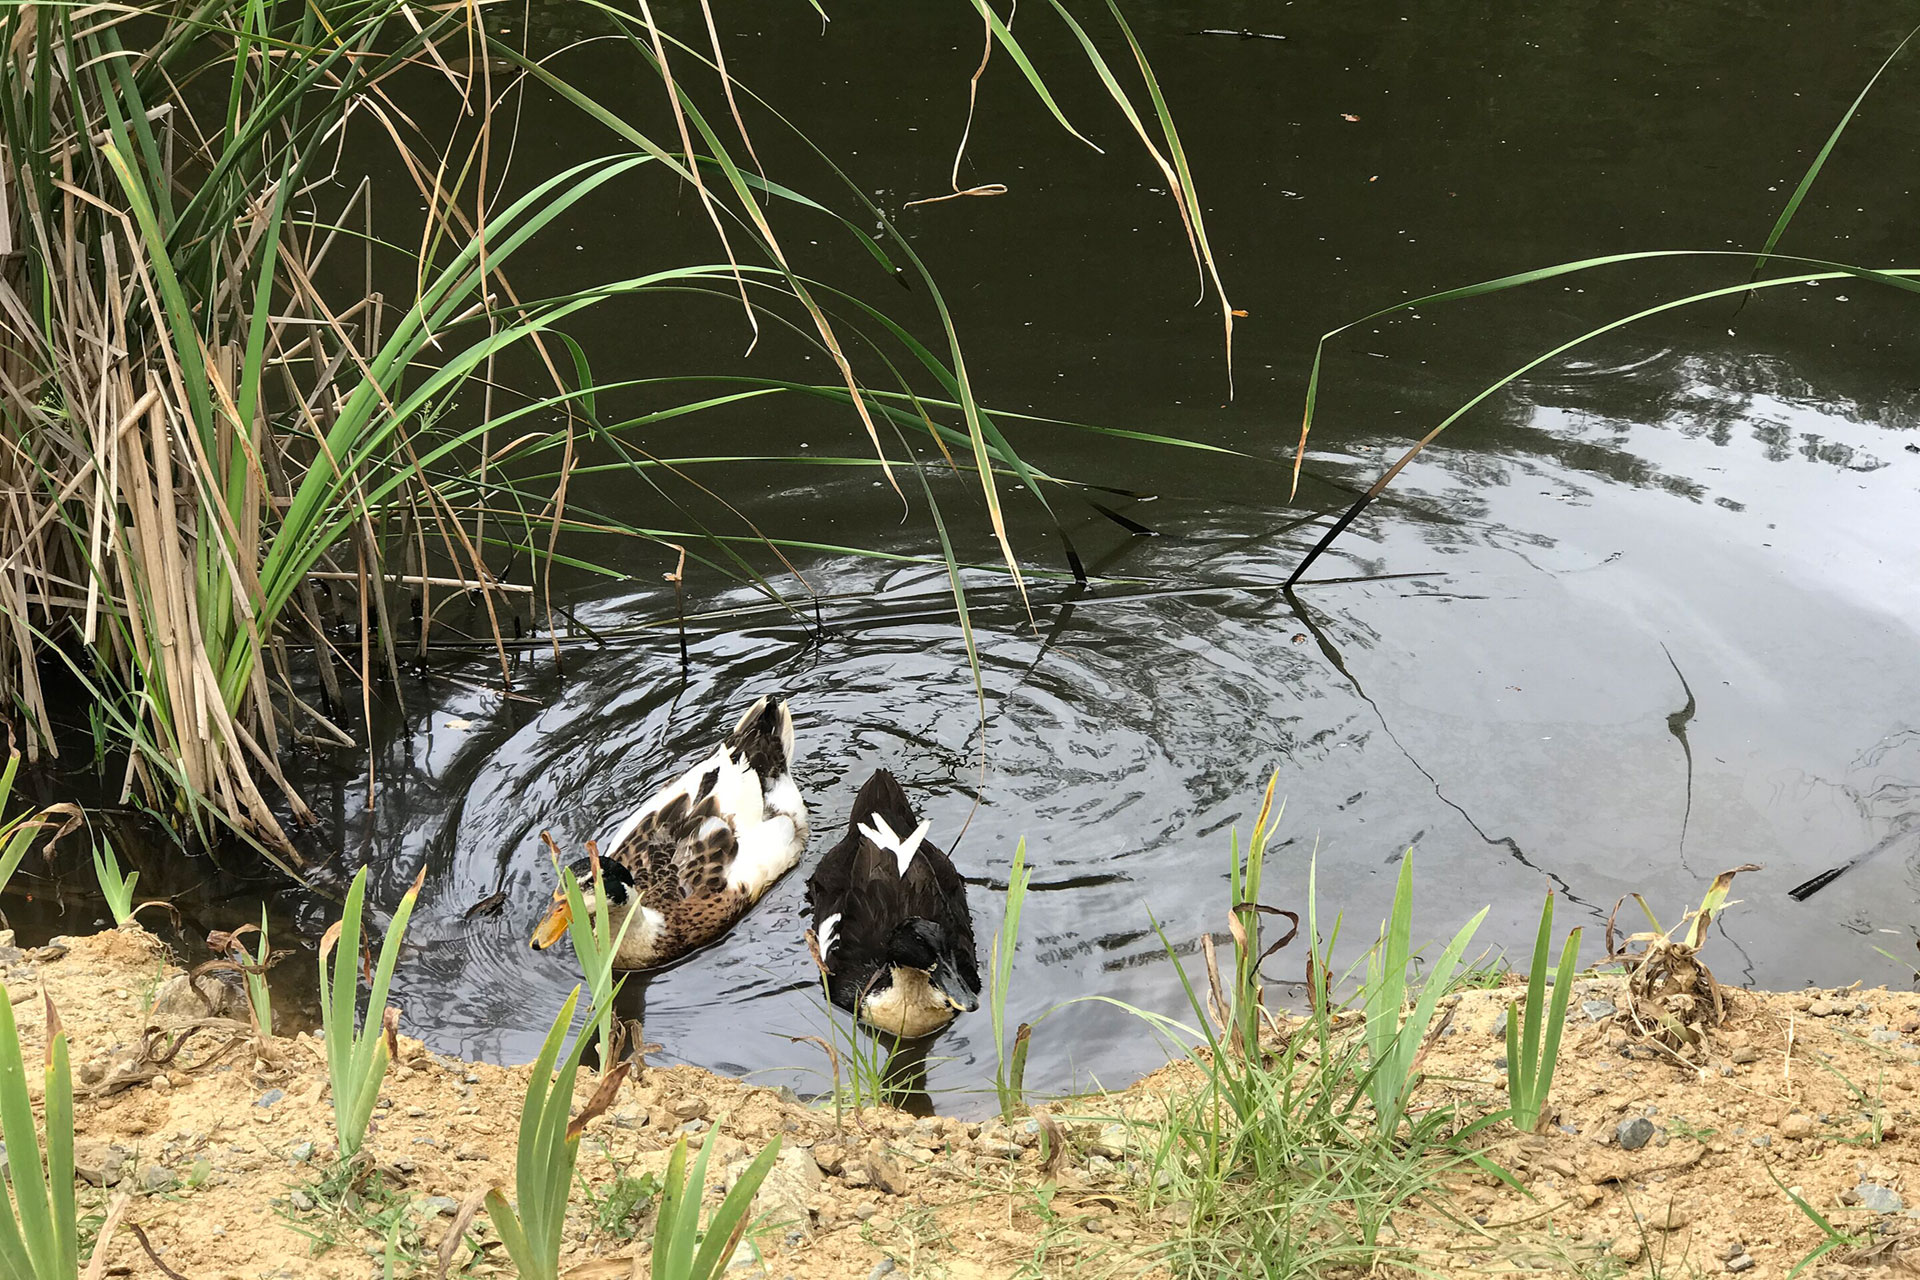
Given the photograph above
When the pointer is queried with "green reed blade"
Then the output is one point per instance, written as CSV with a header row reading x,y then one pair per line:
x,y
1820,158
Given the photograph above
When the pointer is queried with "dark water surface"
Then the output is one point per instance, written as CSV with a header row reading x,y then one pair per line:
x,y
1664,612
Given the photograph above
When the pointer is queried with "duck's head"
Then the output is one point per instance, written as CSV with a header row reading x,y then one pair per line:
x,y
614,878
926,945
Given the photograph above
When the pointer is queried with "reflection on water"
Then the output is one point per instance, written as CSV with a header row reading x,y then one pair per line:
x,y
1644,616
1596,683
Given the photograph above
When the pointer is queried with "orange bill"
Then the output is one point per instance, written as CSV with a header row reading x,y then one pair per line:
x,y
554,926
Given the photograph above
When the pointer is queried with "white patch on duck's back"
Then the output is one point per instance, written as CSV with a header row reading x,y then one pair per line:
x,y
767,850
903,850
783,796
909,1007
737,793
825,934
687,784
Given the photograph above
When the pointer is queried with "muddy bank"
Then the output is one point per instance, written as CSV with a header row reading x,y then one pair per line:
x,y
226,1146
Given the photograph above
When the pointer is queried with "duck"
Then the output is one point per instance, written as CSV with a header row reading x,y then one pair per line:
x,y
700,852
891,926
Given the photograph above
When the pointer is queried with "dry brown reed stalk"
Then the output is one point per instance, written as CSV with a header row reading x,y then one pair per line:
x,y
173,384
213,452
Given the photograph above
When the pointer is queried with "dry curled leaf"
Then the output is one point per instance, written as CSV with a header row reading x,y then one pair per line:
x,y
221,941
54,1027
457,1229
329,940
602,1099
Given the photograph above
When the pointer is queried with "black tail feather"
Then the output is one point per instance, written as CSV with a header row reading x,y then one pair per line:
x,y
883,797
760,738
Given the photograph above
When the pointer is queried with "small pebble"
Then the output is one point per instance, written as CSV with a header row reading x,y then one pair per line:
x,y
1796,1126
437,1206
1598,1010
1633,1134
1745,1055
1877,1199
1880,1035
881,1268
302,1201
416,1112
1763,1140
300,1151
1740,1262
270,1097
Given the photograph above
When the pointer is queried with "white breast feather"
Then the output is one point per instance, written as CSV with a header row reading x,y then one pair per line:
x,y
641,943
907,1007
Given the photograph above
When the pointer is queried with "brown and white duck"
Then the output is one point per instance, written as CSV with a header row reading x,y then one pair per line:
x,y
700,853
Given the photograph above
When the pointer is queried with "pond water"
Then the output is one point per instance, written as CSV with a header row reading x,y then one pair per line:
x,y
1646,615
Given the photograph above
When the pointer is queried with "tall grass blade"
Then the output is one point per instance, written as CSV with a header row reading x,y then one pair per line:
x,y
1393,1040
1805,185
39,1236
596,943
1009,1069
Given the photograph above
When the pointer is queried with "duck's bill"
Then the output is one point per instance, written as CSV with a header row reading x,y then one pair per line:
x,y
554,927
954,988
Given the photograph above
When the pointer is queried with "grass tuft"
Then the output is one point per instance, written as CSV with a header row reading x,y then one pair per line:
x,y
531,1227
1533,1031
1010,1061
357,1058
1397,1013
116,887
39,1231
681,1250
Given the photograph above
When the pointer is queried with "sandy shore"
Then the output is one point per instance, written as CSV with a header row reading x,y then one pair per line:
x,y
1652,1166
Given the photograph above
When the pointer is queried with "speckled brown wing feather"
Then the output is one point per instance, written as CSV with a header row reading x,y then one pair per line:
x,y
679,857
